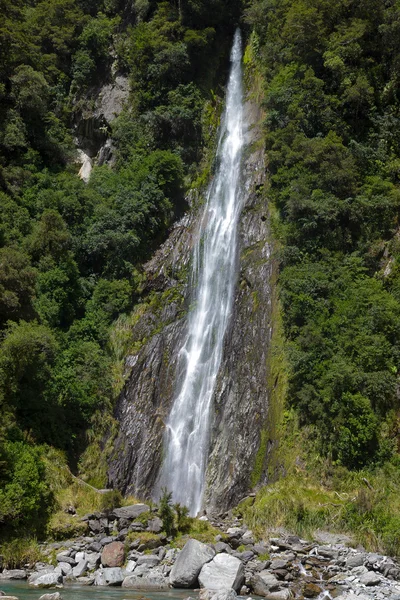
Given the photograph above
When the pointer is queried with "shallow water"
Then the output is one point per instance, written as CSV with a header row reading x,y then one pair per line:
x,y
80,592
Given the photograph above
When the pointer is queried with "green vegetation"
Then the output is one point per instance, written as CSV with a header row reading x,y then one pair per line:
x,y
71,254
330,75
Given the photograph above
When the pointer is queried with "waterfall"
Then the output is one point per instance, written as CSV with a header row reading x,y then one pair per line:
x,y
186,443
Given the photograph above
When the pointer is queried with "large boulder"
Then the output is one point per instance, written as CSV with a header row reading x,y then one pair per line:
x,y
223,572
45,581
189,563
148,580
110,577
113,555
130,512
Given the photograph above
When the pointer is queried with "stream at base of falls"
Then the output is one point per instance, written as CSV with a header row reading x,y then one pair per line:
x,y
21,590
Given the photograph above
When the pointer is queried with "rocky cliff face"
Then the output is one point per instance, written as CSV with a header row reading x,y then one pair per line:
x,y
241,396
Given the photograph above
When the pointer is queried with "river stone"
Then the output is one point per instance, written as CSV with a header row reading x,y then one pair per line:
x,y
45,581
150,560
13,574
66,568
112,576
151,580
263,583
55,596
3,597
355,560
217,594
113,555
223,572
370,578
189,563
80,568
64,557
311,590
130,512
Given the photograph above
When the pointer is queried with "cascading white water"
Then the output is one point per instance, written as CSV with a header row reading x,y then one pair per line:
x,y
213,280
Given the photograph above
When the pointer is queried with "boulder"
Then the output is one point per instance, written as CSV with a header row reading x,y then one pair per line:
x,y
55,596
80,568
64,557
130,512
13,574
150,580
189,563
45,581
113,555
111,577
264,583
65,568
223,572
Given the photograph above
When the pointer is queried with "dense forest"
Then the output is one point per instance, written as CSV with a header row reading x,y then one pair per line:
x,y
71,253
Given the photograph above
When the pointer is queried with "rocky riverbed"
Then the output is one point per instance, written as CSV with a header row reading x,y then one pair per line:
x,y
127,548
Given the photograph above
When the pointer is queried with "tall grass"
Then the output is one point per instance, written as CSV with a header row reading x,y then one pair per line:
x,y
365,505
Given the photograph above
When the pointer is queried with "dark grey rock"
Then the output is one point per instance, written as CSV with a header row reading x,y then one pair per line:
x,y
355,560
189,563
130,512
263,583
150,560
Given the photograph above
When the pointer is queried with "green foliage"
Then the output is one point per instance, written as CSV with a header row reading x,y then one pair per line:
x,y
110,500
166,512
326,71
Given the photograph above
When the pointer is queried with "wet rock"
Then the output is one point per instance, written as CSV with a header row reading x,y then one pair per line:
x,y
109,577
55,596
311,590
223,572
328,552
45,581
263,583
4,597
150,580
189,563
113,555
206,594
13,574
